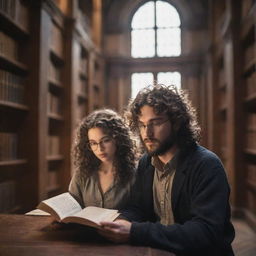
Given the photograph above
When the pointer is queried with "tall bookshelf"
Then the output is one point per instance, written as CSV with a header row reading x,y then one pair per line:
x,y
50,78
55,108
248,78
220,83
14,104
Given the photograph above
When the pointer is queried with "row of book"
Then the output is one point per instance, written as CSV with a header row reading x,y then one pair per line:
x,y
251,139
249,54
84,21
222,99
8,46
251,200
83,66
251,173
56,40
83,86
54,72
7,196
8,146
53,145
250,84
246,6
251,121
11,87
222,77
16,10
53,104
53,179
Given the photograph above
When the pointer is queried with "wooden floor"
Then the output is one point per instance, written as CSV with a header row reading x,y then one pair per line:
x,y
245,240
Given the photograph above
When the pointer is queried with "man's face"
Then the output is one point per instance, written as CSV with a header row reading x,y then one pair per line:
x,y
155,131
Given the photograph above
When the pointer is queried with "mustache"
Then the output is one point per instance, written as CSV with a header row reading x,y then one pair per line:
x,y
150,140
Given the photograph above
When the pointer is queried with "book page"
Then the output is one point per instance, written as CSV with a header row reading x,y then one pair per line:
x,y
64,205
95,214
37,212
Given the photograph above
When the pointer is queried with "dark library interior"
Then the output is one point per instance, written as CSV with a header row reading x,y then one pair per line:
x,y
62,59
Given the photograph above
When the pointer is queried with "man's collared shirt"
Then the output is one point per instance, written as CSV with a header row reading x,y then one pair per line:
x,y
162,188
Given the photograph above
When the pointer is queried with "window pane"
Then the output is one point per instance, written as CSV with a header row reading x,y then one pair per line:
x,y
144,16
168,42
139,81
166,15
143,43
169,78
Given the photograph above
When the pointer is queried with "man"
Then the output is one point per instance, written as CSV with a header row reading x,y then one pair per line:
x,y
180,201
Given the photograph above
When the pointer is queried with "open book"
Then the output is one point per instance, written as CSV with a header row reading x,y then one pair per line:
x,y
65,208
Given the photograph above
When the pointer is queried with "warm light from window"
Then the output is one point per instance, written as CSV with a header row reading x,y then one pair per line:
x,y
155,31
139,81
169,78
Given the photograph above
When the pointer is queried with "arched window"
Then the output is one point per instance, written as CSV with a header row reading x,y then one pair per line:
x,y
155,31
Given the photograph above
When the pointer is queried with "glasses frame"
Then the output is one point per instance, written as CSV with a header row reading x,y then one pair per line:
x,y
100,143
151,125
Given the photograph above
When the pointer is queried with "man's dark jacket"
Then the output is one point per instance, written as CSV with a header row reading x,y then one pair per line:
x,y
200,203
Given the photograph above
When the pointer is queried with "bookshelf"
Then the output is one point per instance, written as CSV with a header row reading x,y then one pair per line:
x,y
14,104
51,76
248,78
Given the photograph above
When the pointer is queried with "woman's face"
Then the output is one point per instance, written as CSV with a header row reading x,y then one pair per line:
x,y
101,144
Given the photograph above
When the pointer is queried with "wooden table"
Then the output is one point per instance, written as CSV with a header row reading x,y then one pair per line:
x,y
40,236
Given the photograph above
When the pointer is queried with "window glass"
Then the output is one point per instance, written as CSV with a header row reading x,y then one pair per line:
x,y
139,81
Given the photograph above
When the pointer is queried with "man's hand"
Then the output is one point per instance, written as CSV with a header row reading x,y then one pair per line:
x,y
118,231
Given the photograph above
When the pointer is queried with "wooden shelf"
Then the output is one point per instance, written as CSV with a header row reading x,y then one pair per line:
x,y
54,83
223,109
11,26
82,97
55,117
251,100
53,188
13,162
12,105
83,75
56,57
251,185
248,22
250,151
13,65
55,158
250,66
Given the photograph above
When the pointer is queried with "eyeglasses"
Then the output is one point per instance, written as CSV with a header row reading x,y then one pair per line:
x,y
93,145
152,125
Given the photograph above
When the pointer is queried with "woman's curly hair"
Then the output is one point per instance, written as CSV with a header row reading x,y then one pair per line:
x,y
114,126
172,102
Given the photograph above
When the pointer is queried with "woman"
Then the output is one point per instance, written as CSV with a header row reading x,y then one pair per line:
x,y
104,160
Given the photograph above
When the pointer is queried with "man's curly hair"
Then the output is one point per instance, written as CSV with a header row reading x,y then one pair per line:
x,y
114,126
172,102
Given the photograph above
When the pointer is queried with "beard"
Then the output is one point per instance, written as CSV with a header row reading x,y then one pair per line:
x,y
162,147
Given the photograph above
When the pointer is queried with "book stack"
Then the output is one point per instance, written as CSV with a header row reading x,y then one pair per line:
x,y
83,66
22,15
83,87
53,179
8,46
11,87
251,173
251,131
54,72
53,145
246,6
54,104
7,196
56,41
8,7
249,55
250,84
8,146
